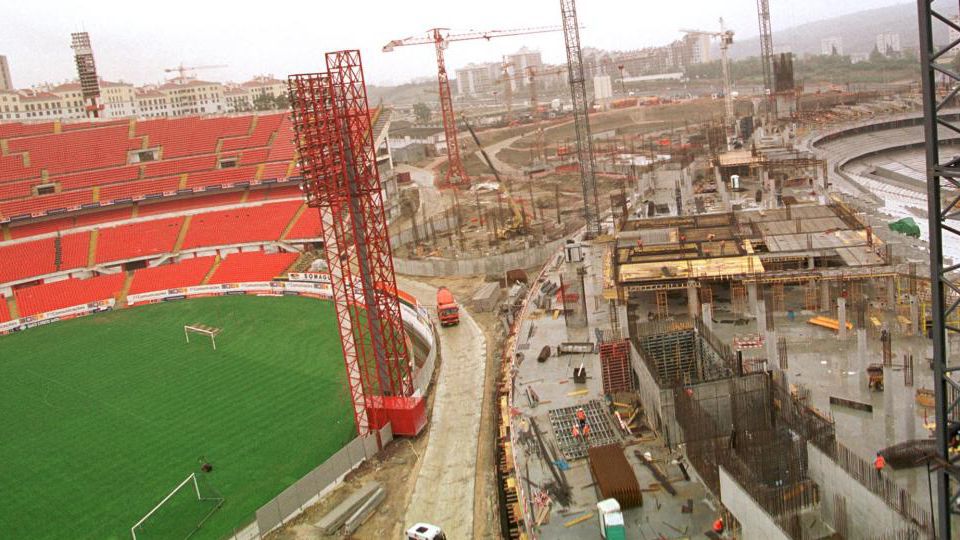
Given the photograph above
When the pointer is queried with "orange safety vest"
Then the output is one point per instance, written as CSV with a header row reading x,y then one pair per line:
x,y
586,430
581,415
879,463
718,526
575,431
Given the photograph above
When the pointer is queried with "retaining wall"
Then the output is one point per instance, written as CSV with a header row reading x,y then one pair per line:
x,y
481,266
755,522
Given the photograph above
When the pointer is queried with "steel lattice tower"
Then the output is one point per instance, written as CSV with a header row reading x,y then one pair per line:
x,y
456,174
581,120
335,141
943,178
766,50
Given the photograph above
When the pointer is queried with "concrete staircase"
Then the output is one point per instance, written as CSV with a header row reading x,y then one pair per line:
x,y
296,216
213,269
12,307
122,296
92,254
183,234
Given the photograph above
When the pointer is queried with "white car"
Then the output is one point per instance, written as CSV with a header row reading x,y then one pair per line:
x,y
425,531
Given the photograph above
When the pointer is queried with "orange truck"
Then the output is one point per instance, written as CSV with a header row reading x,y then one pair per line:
x,y
447,310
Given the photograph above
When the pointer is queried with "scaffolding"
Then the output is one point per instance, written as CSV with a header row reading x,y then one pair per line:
x,y
738,298
663,307
615,367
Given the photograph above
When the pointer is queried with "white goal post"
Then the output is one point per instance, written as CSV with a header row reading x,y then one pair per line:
x,y
196,490
203,329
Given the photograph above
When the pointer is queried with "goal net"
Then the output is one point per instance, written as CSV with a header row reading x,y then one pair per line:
x,y
181,512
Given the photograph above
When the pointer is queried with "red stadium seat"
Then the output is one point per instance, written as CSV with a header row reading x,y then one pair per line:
x,y
254,266
138,239
67,293
4,310
186,273
307,225
242,225
38,257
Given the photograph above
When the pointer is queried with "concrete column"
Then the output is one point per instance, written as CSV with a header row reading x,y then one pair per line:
x,y
811,262
752,298
842,318
706,312
862,348
761,317
914,315
824,295
770,342
891,294
693,300
722,189
622,317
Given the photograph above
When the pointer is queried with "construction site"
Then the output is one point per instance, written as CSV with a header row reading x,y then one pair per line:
x,y
706,318
601,299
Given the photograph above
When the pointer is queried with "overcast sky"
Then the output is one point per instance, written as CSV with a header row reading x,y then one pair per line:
x,y
134,41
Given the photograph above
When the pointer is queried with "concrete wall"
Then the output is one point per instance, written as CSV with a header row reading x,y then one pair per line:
x,y
754,520
868,516
481,266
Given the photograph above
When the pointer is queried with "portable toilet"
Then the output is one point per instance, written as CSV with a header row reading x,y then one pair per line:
x,y
611,520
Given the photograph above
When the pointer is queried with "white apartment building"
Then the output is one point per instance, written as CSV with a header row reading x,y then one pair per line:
x,y
151,103
831,46
888,43
194,97
475,79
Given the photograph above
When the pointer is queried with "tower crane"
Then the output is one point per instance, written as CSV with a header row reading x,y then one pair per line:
x,y
182,70
726,39
441,38
507,81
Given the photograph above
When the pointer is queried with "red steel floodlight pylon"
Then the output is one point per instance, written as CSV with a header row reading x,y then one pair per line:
x,y
332,122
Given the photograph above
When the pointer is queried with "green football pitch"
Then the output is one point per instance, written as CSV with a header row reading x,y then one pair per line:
x,y
103,416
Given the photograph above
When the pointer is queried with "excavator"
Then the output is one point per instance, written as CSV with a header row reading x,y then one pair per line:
x,y
517,224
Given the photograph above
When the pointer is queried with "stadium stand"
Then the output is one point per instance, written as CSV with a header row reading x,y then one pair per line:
x,y
91,163
186,273
252,224
191,136
4,310
252,266
307,225
39,257
180,205
66,293
138,239
139,189
63,224
76,150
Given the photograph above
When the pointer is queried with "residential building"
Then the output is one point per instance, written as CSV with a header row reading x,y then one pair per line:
x,y
518,62
152,103
888,43
71,100
475,79
42,105
265,85
194,97
6,82
118,99
237,99
831,46
9,105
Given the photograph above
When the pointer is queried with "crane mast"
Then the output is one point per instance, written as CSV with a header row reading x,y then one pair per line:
x,y
766,52
581,121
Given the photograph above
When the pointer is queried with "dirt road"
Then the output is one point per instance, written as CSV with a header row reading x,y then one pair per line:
x,y
444,492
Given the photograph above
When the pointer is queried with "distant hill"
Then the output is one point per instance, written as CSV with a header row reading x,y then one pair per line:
x,y
858,30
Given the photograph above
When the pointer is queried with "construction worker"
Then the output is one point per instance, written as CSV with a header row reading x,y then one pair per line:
x,y
879,463
575,432
581,417
718,526
586,432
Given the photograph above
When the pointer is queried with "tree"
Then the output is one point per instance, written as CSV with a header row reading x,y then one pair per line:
x,y
263,102
281,101
422,112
